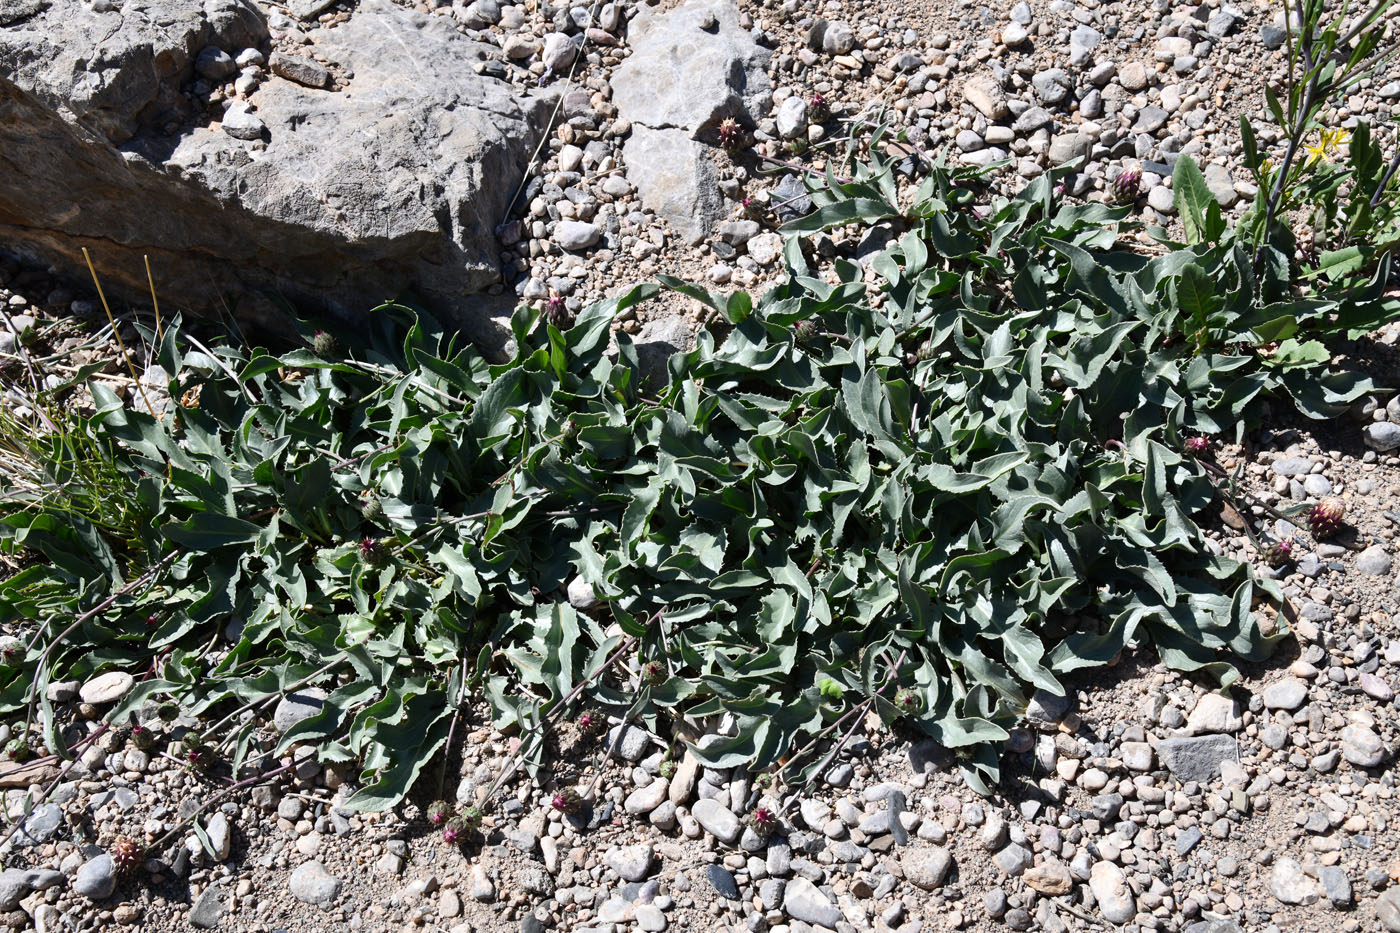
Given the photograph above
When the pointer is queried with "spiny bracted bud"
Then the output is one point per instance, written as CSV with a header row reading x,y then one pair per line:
x,y
323,344
371,509
654,672
666,769
18,750
454,831
1277,554
926,351
469,818
373,553
1325,518
731,135
752,209
1196,447
591,722
805,331
799,145
142,738
908,702
557,312
818,109
763,821
1127,185
567,801
198,756
126,854
439,812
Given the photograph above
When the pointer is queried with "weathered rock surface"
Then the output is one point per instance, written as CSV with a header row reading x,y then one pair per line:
x,y
350,196
690,68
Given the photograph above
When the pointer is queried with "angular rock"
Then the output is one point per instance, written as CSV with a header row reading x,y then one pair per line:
x,y
722,881
648,798
1046,709
804,901
1289,885
240,122
657,341
1374,560
632,863
1111,891
1052,85
1361,746
1032,119
1214,713
16,883
97,115
559,51
1336,885
215,64
1287,694
220,835
675,178
304,71
628,742
1197,759
1082,42
97,878
312,884
581,595
926,866
576,234
1388,910
686,77
208,908
1067,146
984,92
791,117
40,825
1221,185
1382,436
717,820
1051,878
298,706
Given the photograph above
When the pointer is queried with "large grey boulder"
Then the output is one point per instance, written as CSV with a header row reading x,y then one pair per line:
x,y
395,178
691,68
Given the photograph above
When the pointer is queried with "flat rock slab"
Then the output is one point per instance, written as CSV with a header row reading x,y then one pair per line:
x,y
296,707
691,68
106,688
1199,758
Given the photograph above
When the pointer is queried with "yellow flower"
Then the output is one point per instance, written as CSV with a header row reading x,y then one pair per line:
x,y
1328,142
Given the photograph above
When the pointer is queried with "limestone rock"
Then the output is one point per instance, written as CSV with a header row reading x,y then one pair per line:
x,y
683,76
353,196
675,178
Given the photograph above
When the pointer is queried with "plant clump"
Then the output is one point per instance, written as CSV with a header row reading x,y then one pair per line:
x,y
454,831
956,465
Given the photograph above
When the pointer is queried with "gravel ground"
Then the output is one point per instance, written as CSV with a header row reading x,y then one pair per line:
x,y
1147,802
